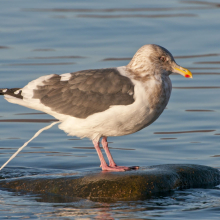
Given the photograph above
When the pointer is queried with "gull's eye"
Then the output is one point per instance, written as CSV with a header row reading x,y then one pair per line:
x,y
163,58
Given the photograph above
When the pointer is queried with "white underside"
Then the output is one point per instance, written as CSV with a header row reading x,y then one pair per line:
x,y
116,121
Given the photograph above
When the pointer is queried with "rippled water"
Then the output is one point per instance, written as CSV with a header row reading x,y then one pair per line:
x,y
45,37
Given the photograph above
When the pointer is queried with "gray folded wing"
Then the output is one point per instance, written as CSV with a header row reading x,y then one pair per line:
x,y
86,92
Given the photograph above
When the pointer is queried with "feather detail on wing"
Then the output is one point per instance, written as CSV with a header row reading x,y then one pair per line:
x,y
82,93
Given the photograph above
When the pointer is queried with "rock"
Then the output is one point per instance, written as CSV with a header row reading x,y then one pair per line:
x,y
130,185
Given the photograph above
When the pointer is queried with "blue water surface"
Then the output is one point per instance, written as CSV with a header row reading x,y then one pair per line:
x,y
50,36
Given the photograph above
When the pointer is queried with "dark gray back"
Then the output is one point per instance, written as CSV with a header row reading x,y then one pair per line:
x,y
86,92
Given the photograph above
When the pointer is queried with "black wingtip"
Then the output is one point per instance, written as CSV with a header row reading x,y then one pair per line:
x,y
11,92
1,91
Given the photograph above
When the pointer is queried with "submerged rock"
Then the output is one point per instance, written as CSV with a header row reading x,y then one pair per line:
x,y
130,185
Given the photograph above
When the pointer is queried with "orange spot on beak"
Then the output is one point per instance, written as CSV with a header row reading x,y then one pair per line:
x,y
183,71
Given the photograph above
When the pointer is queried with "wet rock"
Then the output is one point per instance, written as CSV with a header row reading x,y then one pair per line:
x,y
130,185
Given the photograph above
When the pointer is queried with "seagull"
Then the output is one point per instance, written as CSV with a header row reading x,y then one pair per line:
x,y
98,103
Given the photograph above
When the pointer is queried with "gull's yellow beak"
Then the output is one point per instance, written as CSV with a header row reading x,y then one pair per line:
x,y
183,71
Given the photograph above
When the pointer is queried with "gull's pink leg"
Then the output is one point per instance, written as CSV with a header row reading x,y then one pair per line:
x,y
110,159
105,146
102,160
99,152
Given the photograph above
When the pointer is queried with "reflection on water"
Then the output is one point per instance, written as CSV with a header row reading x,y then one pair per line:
x,y
29,120
44,49
136,16
59,37
4,47
33,113
204,68
115,59
40,64
110,9
58,57
197,87
183,132
198,110
203,3
196,56
205,73
190,204
208,62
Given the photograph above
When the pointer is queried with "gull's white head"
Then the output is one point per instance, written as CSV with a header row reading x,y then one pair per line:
x,y
154,59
